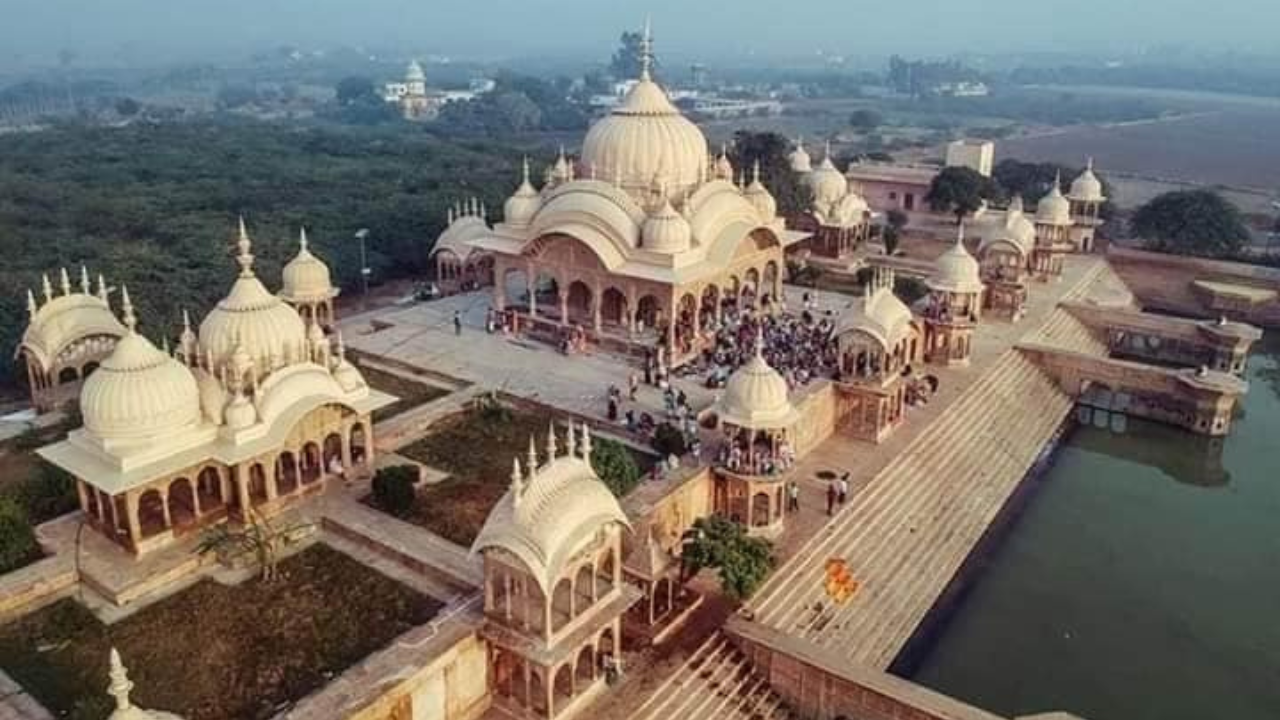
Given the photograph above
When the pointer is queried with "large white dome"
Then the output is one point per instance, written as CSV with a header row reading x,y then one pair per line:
x,y
828,184
756,397
645,138
956,271
138,392
1054,209
1087,187
251,318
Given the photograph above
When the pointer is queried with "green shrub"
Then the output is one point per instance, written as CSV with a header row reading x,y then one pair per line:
x,y
743,561
615,465
394,488
18,544
668,440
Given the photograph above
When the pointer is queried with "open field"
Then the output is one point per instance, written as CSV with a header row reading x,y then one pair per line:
x,y
214,652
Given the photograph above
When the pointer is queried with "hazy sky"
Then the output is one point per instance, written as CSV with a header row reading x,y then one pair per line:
x,y
500,28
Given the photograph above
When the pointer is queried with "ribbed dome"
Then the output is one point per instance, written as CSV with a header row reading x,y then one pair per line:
x,y
828,184
306,277
1087,187
645,138
760,197
851,210
800,160
666,231
138,392
521,207
956,271
64,319
551,512
1054,209
756,396
251,318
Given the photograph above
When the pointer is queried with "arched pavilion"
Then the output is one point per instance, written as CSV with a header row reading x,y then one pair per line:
x,y
554,594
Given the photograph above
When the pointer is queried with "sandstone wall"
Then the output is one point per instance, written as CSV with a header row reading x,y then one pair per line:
x,y
1163,282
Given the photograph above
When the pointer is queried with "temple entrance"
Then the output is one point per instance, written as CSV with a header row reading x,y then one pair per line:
x,y
151,513
648,313
613,308
579,304
515,288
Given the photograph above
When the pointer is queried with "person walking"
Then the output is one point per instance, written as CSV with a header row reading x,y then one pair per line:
x,y
457,323
843,493
633,385
831,497
793,497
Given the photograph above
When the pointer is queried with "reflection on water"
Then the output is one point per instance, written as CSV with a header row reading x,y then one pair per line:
x,y
1142,581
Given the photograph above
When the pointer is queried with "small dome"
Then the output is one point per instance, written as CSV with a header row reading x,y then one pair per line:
x,y
828,184
760,197
68,318
1054,209
306,277
724,168
415,73
880,314
521,207
240,413
800,160
250,317
666,231
346,374
646,138
756,396
138,392
849,211
1087,187
956,271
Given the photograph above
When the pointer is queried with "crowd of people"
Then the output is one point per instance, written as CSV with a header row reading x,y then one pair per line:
x,y
800,347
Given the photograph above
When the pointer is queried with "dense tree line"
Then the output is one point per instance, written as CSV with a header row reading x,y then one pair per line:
x,y
154,206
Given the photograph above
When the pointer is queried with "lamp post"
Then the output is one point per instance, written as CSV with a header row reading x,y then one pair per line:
x,y
361,234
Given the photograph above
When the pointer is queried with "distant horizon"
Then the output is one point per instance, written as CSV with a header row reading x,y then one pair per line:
x,y
143,33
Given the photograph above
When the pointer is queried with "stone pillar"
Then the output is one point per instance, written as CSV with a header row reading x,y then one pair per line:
x,y
563,297
164,504
242,489
271,481
131,517
533,297
83,495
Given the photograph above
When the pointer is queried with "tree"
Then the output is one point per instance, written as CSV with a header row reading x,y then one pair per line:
x,y
259,539
668,440
773,153
394,488
615,465
960,190
626,62
896,220
18,544
234,96
743,561
127,107
1191,222
356,89
865,120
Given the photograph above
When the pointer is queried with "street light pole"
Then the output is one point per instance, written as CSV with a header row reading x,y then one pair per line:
x,y
361,234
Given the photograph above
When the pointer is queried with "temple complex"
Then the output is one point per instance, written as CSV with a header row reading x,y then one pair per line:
x,y
256,409
840,218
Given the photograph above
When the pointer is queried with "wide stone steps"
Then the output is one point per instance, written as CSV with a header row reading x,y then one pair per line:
x,y
715,683
908,532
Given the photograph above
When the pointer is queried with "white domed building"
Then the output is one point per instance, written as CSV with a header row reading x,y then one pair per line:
x,y
955,305
877,338
460,266
1053,232
255,411
554,595
307,285
67,336
1006,245
759,422
1087,198
840,218
639,241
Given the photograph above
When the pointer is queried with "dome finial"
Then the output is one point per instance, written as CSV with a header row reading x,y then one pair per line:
x,y
120,686
47,287
85,286
960,235
102,288
302,239
517,480
126,308
826,150
646,52
524,169
1088,165
31,303
755,171
571,442
551,441
760,341
64,281
531,460
244,246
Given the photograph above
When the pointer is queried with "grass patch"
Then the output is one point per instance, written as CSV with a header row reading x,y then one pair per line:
x,y
410,393
213,652
476,447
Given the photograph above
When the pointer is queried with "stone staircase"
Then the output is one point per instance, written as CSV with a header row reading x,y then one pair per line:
x,y
911,528
716,682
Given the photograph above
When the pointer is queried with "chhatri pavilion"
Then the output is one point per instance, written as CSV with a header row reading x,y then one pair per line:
x,y
642,239
839,218
256,409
